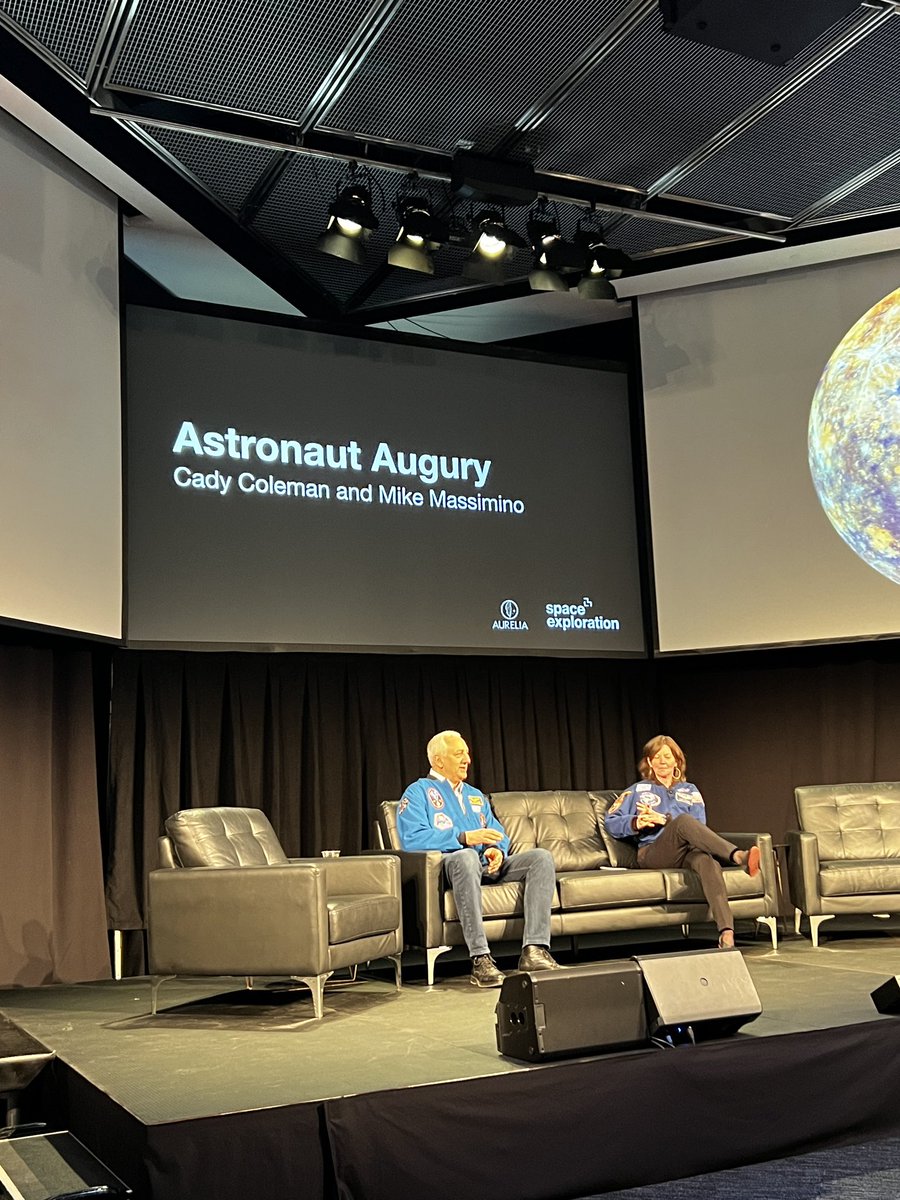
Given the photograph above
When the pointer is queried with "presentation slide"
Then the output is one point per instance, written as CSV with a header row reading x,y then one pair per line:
x,y
288,489
772,409
60,394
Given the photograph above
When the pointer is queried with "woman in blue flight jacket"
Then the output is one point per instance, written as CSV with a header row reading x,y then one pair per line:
x,y
667,817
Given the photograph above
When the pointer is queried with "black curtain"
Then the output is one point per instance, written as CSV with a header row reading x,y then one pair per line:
x,y
52,916
316,741
756,725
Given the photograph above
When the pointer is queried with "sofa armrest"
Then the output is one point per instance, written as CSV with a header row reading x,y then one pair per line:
x,y
268,920
803,871
768,868
422,884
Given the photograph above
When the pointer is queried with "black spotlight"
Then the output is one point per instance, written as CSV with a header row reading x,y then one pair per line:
x,y
546,244
604,263
494,242
420,234
351,221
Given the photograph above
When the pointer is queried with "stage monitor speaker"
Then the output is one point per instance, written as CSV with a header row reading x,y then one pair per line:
x,y
886,997
773,31
576,1010
697,994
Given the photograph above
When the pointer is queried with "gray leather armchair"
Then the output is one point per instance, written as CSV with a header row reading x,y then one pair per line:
x,y
845,858
228,901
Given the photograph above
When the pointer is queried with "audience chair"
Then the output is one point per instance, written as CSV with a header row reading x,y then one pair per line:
x,y
228,901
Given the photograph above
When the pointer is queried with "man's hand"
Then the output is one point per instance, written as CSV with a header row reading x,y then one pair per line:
x,y
493,858
482,837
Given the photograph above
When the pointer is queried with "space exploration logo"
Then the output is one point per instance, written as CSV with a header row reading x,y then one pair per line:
x,y
576,615
509,618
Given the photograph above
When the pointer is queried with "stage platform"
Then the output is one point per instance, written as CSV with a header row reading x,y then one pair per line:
x,y
227,1093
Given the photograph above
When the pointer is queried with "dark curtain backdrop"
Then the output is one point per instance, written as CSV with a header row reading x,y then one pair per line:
x,y
316,741
52,916
758,724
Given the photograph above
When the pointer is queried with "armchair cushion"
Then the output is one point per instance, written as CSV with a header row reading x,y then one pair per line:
x,y
852,821
861,878
351,917
224,837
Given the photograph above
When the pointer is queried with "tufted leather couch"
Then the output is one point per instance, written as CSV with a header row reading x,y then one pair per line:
x,y
599,886
846,856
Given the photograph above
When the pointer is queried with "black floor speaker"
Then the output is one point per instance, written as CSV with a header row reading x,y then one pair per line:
x,y
698,994
575,1010
886,997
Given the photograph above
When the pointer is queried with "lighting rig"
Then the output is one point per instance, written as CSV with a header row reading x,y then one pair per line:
x,y
471,213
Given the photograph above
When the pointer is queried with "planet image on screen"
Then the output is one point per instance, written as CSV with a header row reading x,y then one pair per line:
x,y
854,438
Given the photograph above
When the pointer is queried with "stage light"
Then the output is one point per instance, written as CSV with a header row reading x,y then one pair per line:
x,y
553,255
351,221
544,236
493,238
604,263
494,243
419,236
542,278
596,286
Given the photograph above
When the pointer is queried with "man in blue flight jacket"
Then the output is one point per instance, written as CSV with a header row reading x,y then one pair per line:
x,y
444,812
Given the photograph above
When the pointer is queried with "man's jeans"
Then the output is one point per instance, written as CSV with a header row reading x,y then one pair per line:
x,y
466,875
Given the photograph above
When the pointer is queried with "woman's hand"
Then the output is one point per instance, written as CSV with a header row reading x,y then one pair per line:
x,y
647,819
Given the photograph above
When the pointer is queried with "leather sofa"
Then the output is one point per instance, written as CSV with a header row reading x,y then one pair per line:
x,y
599,887
845,858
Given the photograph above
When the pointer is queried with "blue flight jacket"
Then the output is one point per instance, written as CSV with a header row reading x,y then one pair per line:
x,y
430,817
675,801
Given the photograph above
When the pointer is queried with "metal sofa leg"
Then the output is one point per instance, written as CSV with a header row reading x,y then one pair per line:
x,y
158,981
798,917
398,972
432,954
316,984
814,923
772,923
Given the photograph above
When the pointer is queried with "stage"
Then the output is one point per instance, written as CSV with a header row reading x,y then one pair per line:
x,y
227,1093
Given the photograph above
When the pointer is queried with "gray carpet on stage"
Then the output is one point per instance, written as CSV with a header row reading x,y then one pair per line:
x,y
868,1171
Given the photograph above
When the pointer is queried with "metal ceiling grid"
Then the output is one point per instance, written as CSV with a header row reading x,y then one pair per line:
x,y
68,28
258,56
650,104
840,122
642,235
448,71
228,170
883,192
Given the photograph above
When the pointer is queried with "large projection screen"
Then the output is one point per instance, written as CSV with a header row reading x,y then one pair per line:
x,y
289,489
743,551
60,422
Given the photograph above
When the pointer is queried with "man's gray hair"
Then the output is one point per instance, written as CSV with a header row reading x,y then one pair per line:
x,y
438,744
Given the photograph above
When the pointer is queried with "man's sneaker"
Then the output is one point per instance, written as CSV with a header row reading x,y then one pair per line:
x,y
537,958
485,972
